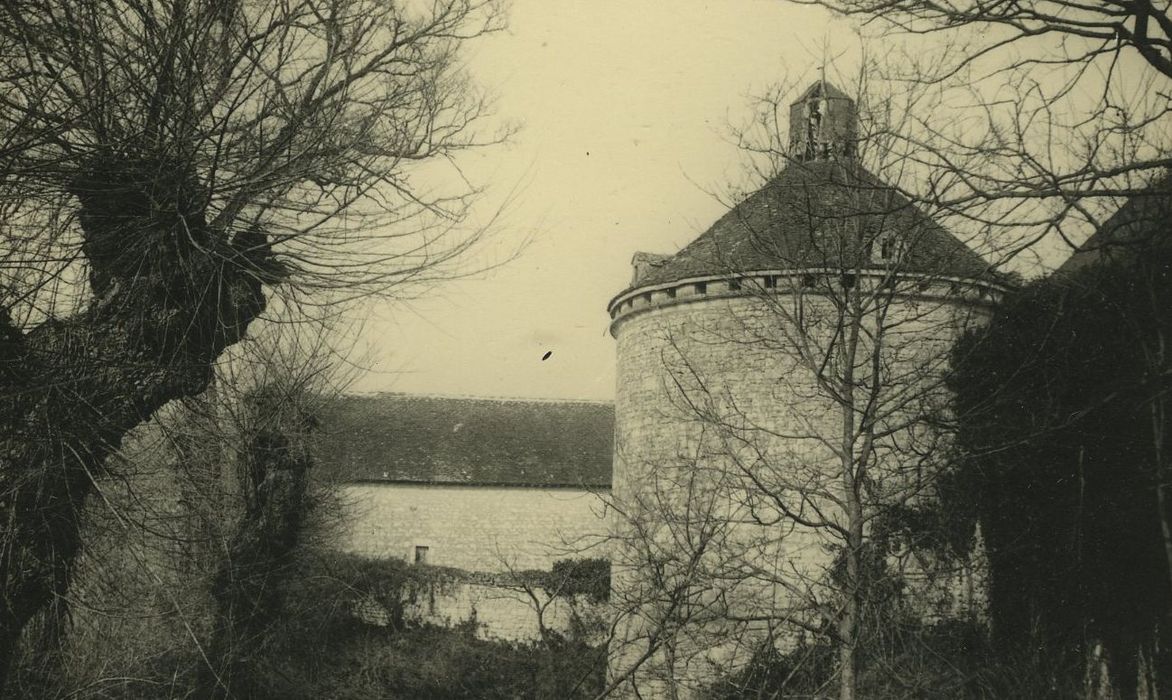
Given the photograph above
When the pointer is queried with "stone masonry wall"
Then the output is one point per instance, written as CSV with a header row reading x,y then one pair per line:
x,y
475,528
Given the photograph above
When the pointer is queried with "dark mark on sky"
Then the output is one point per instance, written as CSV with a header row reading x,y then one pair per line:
x,y
546,355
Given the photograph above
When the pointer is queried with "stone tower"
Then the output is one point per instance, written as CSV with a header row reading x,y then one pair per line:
x,y
729,421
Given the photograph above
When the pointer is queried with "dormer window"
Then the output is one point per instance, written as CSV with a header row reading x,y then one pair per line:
x,y
888,249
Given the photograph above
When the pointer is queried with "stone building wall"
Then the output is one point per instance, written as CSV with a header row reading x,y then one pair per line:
x,y
475,528
689,361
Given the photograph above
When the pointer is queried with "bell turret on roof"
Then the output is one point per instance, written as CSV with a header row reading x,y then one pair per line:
x,y
822,124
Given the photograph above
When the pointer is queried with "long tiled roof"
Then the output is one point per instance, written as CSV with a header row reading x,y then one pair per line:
x,y
815,215
442,440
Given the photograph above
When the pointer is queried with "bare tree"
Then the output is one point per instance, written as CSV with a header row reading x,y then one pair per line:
x,y
166,165
1108,28
799,411
1040,116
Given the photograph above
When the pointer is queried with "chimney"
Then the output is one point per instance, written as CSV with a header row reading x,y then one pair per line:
x,y
643,263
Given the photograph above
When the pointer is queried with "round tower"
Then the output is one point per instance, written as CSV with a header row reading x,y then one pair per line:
x,y
823,303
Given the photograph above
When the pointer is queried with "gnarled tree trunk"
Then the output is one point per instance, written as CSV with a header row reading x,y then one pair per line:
x,y
169,294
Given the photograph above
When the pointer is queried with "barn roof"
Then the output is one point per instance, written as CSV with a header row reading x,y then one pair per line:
x,y
473,441
799,220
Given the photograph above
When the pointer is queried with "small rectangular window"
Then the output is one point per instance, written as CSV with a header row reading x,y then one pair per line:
x,y
701,287
420,554
770,282
671,293
734,285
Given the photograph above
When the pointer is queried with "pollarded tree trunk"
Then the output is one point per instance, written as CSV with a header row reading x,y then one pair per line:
x,y
169,294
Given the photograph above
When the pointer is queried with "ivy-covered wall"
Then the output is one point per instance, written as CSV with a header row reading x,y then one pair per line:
x,y
1062,402
568,601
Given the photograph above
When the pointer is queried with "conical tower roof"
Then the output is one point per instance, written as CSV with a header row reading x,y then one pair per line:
x,y
821,214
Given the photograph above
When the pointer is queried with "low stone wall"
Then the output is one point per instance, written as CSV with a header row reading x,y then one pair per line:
x,y
498,608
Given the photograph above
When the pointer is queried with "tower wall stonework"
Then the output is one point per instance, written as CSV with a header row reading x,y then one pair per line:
x,y
712,404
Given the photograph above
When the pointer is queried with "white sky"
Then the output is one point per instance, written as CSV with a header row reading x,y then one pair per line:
x,y
625,109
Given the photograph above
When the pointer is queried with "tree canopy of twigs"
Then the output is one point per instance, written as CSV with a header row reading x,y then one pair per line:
x,y
1031,119
1108,28
166,166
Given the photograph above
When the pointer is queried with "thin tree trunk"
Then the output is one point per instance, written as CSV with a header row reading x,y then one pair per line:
x,y
847,664
848,622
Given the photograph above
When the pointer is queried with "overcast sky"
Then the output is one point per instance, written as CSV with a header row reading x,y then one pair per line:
x,y
625,109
